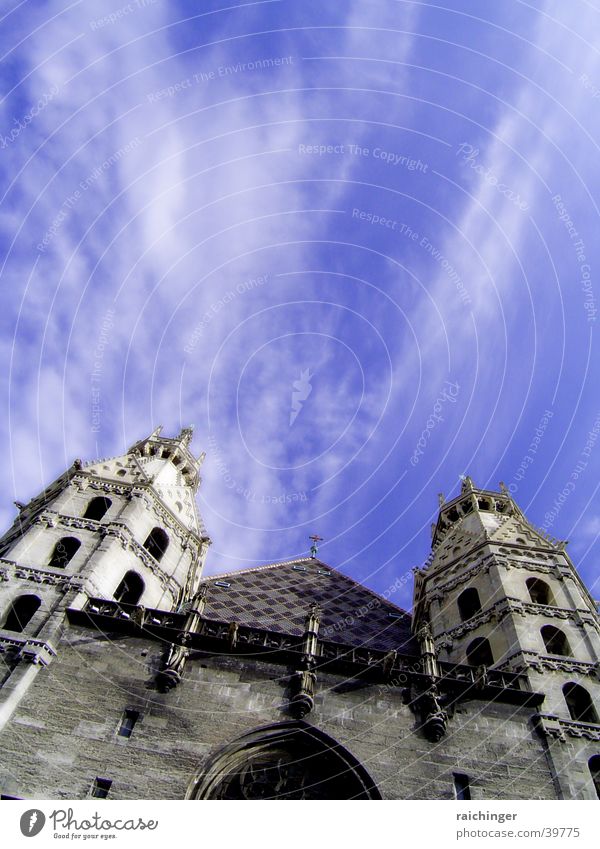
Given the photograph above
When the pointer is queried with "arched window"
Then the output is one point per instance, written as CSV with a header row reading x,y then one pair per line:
x,y
462,786
539,591
130,589
555,641
479,652
579,703
20,612
63,551
156,543
97,508
468,603
594,765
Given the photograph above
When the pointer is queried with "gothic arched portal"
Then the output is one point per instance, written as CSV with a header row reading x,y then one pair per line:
x,y
290,760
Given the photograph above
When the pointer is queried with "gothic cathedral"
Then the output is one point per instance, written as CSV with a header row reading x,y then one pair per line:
x,y
126,674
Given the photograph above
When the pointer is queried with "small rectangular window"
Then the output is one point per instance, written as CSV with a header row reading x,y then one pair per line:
x,y
130,717
225,584
323,572
462,787
396,615
299,568
100,788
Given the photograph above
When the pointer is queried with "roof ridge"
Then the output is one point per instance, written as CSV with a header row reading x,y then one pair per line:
x,y
266,566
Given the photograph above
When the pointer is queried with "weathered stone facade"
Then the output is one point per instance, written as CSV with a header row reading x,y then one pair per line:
x,y
125,673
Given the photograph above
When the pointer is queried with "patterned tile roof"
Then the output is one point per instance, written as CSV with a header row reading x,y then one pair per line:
x,y
277,597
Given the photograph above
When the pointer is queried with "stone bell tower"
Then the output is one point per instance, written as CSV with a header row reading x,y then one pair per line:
x,y
125,528
499,593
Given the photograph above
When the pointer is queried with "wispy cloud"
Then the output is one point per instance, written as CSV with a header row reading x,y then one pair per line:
x,y
187,156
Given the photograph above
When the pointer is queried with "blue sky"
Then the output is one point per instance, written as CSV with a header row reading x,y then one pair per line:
x,y
354,244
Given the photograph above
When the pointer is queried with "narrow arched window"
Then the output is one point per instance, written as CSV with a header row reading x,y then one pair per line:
x,y
130,589
539,591
594,765
555,641
462,788
579,703
21,611
468,603
156,543
479,652
63,551
97,508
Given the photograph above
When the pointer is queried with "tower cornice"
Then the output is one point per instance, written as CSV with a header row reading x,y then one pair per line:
x,y
176,449
472,499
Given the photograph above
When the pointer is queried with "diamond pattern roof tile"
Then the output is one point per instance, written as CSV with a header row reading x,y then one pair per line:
x,y
277,598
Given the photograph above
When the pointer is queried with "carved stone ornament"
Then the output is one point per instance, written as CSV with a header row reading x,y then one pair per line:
x,y
173,665
233,634
40,576
37,652
302,702
424,632
481,677
428,704
186,435
388,664
549,725
467,484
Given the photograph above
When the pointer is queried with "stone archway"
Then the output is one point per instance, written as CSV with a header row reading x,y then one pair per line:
x,y
290,760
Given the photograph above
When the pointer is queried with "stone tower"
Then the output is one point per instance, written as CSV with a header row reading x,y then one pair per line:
x,y
125,528
498,593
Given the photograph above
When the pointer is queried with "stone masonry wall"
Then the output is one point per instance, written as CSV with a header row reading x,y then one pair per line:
x,y
64,732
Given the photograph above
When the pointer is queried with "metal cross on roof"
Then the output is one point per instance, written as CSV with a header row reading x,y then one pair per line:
x,y
314,548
